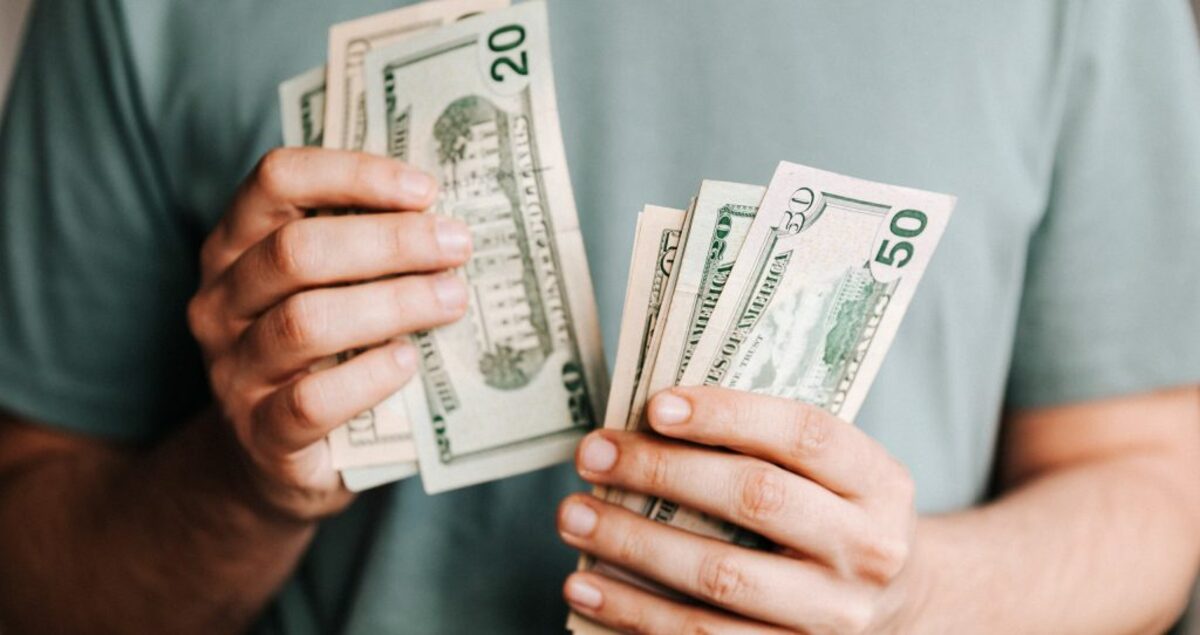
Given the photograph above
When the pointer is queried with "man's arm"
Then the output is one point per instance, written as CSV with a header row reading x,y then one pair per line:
x,y
101,538
1097,529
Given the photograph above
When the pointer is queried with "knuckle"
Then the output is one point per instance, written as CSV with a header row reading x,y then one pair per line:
x,y
369,174
298,322
221,375
655,469
292,251
721,580
760,493
633,620
851,617
694,623
880,559
631,547
200,319
302,402
414,238
273,171
809,431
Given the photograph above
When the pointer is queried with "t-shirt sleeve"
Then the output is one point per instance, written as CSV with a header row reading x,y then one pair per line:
x,y
1112,293
95,266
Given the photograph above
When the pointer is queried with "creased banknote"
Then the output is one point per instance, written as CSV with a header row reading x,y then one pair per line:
x,y
514,385
380,435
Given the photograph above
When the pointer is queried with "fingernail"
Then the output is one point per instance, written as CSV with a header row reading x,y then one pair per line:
x,y
583,594
598,454
415,184
450,291
671,409
578,519
453,236
406,356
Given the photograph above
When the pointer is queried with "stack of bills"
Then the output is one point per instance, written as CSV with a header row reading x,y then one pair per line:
x,y
794,290
463,89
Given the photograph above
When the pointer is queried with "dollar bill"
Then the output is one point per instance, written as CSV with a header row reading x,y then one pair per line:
x,y
351,41
656,247
302,108
810,309
826,274
514,385
655,250
649,354
722,219
380,435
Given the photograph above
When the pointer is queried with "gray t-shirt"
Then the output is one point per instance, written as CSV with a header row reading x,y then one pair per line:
x,y
1069,130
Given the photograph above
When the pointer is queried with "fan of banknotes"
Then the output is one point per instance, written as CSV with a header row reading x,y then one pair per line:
x,y
799,300
464,90
794,290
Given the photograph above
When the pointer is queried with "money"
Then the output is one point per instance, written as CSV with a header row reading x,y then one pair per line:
x,y
655,250
380,435
825,275
806,309
655,253
302,108
350,42
722,218
514,385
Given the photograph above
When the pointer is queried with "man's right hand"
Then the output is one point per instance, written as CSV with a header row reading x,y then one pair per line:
x,y
280,291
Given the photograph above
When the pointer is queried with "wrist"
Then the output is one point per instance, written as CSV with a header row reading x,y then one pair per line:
x,y
254,496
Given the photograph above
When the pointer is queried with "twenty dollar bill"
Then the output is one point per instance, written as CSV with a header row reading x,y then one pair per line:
x,y
514,385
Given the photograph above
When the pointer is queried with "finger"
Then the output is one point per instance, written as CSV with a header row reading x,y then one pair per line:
x,y
319,251
629,609
799,437
288,181
315,324
790,510
305,411
760,585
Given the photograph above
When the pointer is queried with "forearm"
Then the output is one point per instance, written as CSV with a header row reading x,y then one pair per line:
x,y
165,540
1109,546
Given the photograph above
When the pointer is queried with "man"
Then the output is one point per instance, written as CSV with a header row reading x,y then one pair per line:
x,y
162,466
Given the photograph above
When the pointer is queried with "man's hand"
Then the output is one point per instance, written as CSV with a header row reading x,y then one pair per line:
x,y
837,505
281,292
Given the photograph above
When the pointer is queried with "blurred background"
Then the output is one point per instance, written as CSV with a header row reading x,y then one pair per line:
x,y
12,19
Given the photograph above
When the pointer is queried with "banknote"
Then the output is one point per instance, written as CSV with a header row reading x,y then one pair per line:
x,y
302,108
649,354
351,41
656,246
721,220
825,275
655,250
380,435
514,385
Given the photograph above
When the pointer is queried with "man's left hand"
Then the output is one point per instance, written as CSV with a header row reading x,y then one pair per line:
x,y
836,504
